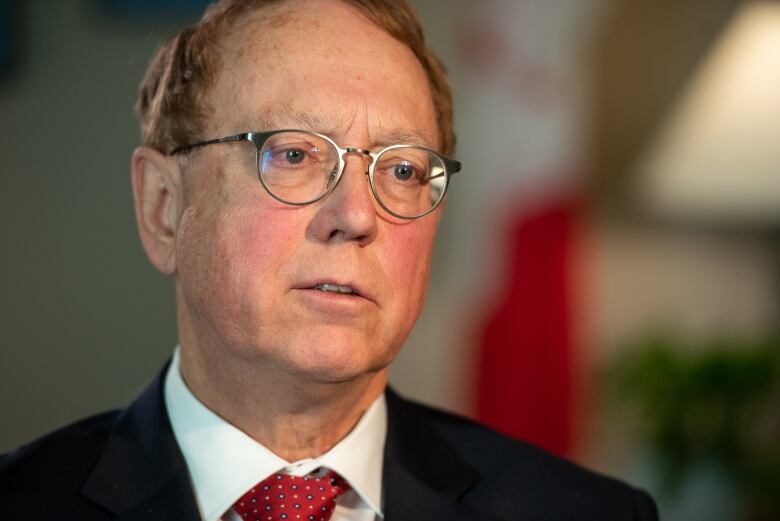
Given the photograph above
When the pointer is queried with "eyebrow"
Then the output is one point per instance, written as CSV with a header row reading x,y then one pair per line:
x,y
288,117
402,137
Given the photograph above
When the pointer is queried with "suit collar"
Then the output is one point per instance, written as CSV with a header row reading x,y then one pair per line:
x,y
424,477
141,473
224,462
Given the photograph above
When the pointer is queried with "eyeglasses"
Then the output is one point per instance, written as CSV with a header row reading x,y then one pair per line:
x,y
297,167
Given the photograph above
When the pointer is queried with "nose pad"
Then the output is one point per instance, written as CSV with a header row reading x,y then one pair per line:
x,y
349,165
364,154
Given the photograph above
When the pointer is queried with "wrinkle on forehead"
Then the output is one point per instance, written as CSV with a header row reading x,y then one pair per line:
x,y
335,126
287,116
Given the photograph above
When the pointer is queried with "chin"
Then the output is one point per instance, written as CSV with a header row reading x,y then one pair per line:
x,y
334,357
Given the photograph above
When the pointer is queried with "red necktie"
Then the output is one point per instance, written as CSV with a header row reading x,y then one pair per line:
x,y
281,497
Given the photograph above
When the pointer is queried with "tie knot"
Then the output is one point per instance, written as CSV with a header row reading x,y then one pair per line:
x,y
282,497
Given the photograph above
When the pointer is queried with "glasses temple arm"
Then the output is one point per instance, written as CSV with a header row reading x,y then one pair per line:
x,y
453,166
244,136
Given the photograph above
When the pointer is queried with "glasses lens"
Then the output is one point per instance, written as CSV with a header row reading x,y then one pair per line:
x,y
409,181
298,167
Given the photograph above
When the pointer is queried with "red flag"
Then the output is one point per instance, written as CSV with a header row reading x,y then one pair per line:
x,y
525,380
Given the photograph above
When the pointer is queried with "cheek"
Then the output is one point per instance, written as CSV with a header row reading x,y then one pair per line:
x,y
258,244
408,257
232,262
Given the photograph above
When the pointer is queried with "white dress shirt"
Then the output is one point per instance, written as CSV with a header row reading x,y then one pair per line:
x,y
224,462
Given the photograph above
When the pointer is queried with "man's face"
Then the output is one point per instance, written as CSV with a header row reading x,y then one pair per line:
x,y
247,264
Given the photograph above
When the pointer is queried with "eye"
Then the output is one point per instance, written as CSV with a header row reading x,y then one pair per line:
x,y
403,172
294,156
291,155
404,165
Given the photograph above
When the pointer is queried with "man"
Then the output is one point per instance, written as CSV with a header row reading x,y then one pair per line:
x,y
293,164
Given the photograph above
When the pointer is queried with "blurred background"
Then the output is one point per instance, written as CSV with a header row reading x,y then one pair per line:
x,y
607,278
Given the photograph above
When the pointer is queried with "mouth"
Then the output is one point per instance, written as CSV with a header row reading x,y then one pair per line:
x,y
336,288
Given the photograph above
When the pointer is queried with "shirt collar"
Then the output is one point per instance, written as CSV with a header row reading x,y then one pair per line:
x,y
224,462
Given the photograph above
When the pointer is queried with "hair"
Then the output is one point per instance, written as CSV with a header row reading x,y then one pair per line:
x,y
173,98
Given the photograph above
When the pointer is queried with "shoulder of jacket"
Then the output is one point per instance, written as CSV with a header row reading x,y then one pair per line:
x,y
533,475
56,448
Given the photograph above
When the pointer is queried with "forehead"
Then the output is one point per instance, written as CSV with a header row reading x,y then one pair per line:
x,y
334,123
323,66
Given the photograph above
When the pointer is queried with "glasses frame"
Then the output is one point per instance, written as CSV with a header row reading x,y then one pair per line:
x,y
451,166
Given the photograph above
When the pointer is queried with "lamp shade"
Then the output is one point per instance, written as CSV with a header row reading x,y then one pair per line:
x,y
716,156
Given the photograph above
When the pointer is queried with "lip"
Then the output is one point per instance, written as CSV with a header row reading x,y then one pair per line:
x,y
358,290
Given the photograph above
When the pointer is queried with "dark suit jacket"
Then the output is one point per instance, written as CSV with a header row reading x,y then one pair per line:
x,y
127,465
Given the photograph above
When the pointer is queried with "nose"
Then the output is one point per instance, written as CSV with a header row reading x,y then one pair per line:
x,y
348,213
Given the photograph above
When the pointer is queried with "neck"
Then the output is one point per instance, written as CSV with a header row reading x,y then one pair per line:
x,y
292,416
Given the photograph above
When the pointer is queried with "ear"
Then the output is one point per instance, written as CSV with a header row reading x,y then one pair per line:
x,y
157,193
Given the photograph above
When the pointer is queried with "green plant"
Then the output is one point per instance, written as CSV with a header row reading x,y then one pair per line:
x,y
717,403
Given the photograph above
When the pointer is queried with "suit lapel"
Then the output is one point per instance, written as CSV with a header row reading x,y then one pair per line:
x,y
423,477
141,473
